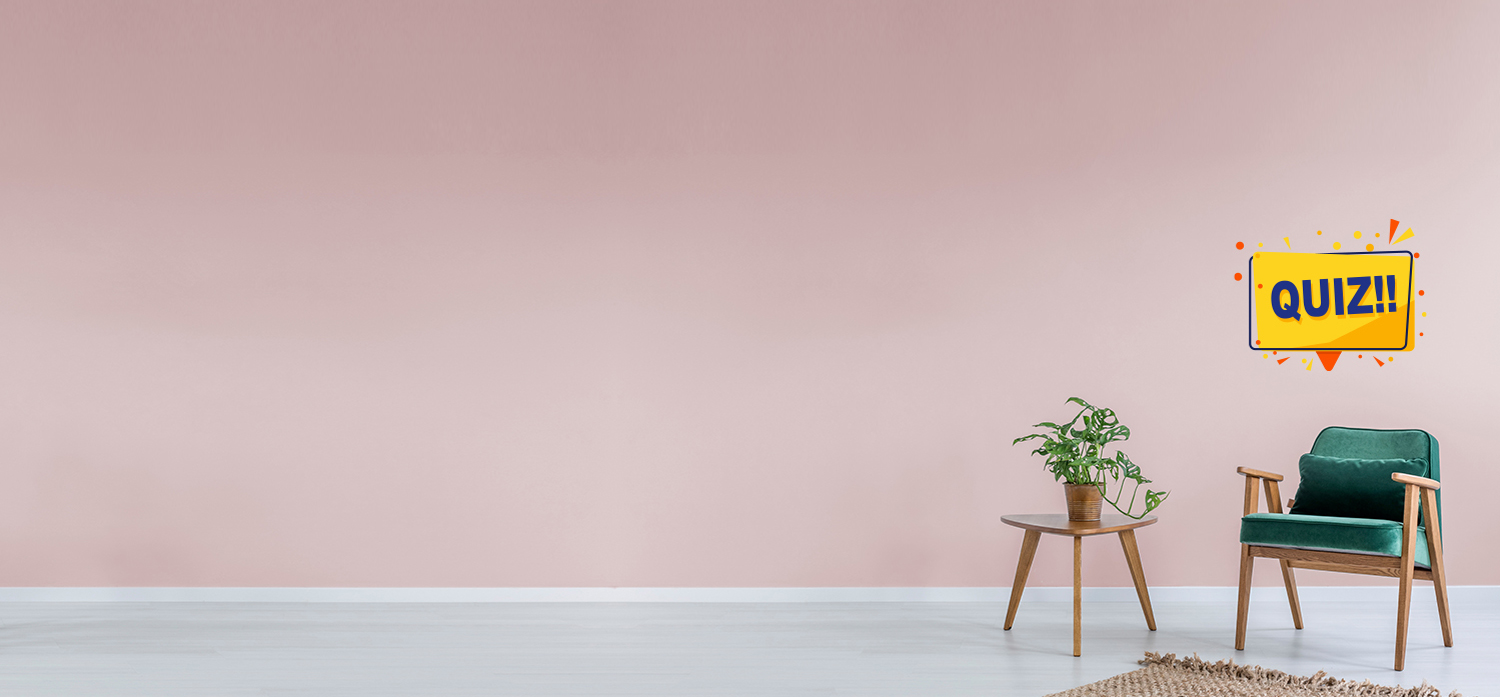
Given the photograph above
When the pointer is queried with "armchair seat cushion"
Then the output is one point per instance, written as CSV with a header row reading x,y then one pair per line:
x,y
1329,534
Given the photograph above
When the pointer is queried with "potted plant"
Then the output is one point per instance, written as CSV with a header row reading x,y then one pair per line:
x,y
1074,454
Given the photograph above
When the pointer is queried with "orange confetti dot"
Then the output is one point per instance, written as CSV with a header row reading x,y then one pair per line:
x,y
1238,277
1421,292
1361,355
1369,248
1421,333
1320,232
1417,255
1257,341
1260,285
1239,245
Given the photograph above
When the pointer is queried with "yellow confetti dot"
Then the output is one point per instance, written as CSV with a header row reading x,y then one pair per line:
x,y
1264,356
1356,234
1336,245
1260,244
1424,314
1369,248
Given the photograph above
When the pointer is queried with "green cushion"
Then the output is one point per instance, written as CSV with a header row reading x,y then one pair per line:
x,y
1353,488
1329,533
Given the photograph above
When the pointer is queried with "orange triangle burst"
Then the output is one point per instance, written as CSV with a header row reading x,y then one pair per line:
x,y
1392,238
1329,358
1377,360
1279,361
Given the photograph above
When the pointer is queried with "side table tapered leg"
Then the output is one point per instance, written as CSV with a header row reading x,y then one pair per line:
x,y
1023,569
1137,574
1077,595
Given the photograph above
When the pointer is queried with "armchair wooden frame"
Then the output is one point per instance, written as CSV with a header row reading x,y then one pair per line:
x,y
1419,494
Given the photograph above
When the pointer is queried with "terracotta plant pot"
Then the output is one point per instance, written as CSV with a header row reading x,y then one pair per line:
x,y
1084,502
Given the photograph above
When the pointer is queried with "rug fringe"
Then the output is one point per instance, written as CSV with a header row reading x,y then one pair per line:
x,y
1334,686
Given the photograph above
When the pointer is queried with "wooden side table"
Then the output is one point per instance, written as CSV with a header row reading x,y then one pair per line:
x,y
1058,524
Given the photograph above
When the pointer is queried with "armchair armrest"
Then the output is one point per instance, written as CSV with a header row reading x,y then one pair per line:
x,y
1257,473
1412,479
1273,492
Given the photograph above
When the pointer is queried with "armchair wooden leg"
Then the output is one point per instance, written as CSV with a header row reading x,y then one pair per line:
x,y
1440,584
1138,574
1435,553
1023,569
1408,566
1403,612
1247,567
1291,592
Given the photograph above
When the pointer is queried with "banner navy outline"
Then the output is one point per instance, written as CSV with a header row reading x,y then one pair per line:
x,y
1411,269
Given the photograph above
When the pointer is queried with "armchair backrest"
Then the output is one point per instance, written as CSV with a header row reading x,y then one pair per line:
x,y
1380,444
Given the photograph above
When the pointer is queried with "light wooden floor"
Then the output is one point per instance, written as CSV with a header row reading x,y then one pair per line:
x,y
430,649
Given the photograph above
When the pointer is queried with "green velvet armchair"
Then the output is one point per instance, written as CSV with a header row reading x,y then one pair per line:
x,y
1368,503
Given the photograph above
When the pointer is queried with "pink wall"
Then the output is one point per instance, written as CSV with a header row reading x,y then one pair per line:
x,y
687,294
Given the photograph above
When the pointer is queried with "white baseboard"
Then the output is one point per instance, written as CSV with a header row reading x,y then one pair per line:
x,y
1207,594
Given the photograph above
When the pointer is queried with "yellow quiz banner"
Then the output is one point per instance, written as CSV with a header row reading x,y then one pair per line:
x,y
1331,302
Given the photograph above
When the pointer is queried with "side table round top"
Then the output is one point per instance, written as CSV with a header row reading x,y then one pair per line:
x,y
1058,523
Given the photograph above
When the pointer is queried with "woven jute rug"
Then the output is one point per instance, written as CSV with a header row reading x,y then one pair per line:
x,y
1170,676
